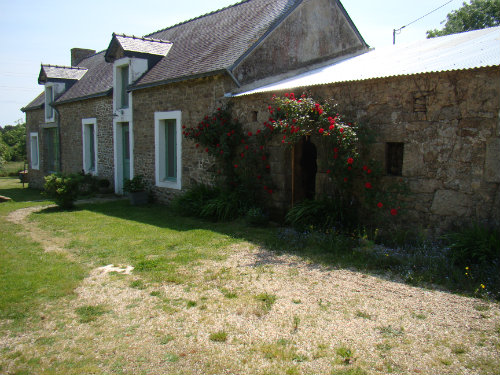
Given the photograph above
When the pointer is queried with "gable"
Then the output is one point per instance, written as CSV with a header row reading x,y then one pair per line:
x,y
316,31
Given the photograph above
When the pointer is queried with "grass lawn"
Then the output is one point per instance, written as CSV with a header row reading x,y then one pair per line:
x,y
216,298
11,168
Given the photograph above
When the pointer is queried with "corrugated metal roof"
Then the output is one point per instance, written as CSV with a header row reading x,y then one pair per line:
x,y
473,49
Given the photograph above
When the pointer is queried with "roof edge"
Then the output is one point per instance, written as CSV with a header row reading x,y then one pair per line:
x,y
255,92
196,18
273,27
97,95
177,79
351,23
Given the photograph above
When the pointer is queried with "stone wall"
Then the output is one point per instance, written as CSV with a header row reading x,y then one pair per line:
x,y
195,99
34,119
316,31
449,124
71,137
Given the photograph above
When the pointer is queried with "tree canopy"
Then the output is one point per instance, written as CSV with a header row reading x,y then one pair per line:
x,y
479,14
13,142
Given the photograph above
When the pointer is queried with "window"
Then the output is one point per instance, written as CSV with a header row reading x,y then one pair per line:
x,y
49,101
89,139
51,149
168,149
124,81
394,158
34,154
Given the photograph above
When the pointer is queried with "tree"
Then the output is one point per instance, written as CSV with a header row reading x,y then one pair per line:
x,y
13,137
479,14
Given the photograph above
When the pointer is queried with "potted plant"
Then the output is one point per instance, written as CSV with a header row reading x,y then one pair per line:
x,y
136,190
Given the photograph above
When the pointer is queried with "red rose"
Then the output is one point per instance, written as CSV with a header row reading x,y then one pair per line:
x,y
368,185
197,145
206,150
249,134
336,150
394,212
369,171
341,130
365,167
380,205
236,165
332,127
350,160
321,130
345,179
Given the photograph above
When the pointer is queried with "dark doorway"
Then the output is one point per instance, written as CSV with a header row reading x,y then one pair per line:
x,y
305,156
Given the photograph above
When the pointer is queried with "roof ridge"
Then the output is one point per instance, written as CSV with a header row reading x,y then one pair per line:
x,y
144,38
64,67
197,18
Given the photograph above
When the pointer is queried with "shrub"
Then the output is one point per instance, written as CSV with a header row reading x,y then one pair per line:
x,y
192,201
321,214
256,217
224,207
134,185
62,188
475,245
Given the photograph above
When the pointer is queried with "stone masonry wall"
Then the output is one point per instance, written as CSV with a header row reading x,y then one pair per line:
x,y
34,119
71,135
316,31
195,99
449,124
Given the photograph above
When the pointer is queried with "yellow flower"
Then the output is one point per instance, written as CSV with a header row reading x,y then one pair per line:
x,y
482,286
466,268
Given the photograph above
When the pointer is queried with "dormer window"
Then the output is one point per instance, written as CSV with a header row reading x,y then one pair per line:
x,y
49,102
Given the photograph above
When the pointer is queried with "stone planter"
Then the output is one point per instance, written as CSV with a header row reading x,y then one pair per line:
x,y
138,198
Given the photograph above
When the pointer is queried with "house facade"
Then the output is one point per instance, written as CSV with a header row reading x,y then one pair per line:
x,y
120,112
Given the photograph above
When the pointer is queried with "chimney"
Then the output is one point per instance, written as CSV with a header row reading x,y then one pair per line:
x,y
78,54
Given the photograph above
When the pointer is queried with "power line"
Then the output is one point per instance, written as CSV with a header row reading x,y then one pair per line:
x,y
397,31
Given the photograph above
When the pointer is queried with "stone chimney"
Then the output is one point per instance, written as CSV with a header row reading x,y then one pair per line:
x,y
78,54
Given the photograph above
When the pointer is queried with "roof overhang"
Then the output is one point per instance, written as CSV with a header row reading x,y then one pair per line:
x,y
55,73
131,46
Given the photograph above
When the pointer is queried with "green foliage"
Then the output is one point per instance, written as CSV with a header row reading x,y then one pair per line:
x,y
63,188
219,336
255,216
356,188
90,313
267,299
476,245
191,202
478,14
242,162
13,142
224,207
134,185
321,214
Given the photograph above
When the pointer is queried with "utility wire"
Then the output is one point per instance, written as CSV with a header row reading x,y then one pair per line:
x,y
394,31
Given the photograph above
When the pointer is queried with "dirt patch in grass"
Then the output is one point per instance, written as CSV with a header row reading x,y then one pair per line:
x,y
256,312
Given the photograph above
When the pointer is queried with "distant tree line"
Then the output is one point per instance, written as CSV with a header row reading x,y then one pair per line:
x,y
12,143
479,14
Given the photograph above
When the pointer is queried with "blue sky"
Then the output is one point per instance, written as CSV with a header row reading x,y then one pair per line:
x,y
32,32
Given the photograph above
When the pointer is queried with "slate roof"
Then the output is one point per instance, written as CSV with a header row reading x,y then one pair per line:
x,y
96,82
148,46
215,41
204,45
468,50
48,72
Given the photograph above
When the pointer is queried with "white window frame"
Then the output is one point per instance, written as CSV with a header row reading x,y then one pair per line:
x,y
49,101
160,118
34,141
86,124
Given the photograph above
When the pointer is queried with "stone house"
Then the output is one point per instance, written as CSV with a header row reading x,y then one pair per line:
x,y
119,112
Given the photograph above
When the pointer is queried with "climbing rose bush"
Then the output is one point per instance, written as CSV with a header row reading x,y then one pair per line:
x,y
355,177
